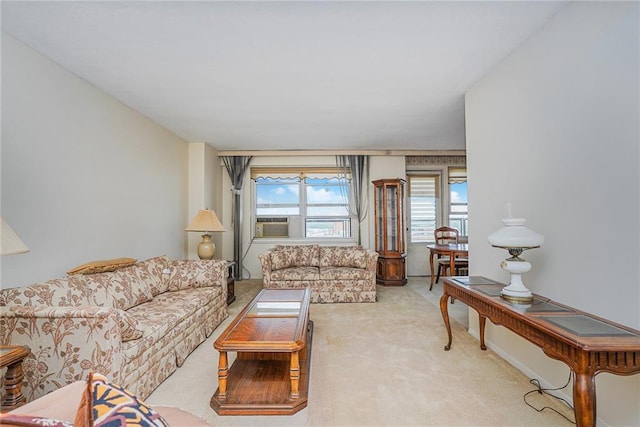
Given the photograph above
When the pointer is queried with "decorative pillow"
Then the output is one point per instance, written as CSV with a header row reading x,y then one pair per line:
x,y
191,274
102,266
22,420
106,404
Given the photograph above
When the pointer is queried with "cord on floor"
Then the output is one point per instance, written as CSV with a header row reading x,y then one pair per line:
x,y
547,391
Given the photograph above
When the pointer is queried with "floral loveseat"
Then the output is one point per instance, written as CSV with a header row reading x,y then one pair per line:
x,y
135,325
334,273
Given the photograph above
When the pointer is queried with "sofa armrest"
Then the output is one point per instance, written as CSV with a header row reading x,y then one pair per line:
x,y
65,343
372,261
265,262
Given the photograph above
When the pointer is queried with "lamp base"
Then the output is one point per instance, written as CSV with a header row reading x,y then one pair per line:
x,y
206,248
516,292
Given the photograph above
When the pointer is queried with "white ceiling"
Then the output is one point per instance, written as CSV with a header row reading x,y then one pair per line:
x,y
286,75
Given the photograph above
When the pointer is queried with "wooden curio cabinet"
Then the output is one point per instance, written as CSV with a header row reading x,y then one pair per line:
x,y
389,226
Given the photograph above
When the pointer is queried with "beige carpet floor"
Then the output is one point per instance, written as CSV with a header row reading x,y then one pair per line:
x,y
380,364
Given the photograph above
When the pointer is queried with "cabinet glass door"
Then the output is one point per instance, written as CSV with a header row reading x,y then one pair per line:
x,y
379,219
392,219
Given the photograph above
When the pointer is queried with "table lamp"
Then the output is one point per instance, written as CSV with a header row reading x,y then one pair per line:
x,y
205,221
516,238
11,243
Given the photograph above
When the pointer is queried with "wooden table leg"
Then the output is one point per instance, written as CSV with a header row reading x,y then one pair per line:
x,y
294,373
452,264
13,387
223,374
483,321
584,399
433,276
445,316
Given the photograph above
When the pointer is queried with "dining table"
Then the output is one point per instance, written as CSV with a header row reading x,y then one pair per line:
x,y
452,250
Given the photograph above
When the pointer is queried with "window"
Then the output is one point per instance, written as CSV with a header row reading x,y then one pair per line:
x,y
428,196
423,204
314,203
327,207
277,196
458,209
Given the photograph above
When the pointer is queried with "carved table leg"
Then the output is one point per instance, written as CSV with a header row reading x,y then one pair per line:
x,y
294,372
584,399
13,387
223,374
483,321
445,316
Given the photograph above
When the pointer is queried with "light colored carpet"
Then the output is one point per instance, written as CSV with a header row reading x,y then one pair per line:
x,y
380,364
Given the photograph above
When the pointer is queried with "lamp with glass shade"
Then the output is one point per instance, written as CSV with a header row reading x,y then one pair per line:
x,y
516,238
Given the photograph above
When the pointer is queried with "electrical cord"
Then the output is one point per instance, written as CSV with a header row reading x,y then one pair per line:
x,y
547,391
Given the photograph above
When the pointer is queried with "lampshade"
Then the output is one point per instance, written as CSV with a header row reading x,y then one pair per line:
x,y
515,235
11,243
205,221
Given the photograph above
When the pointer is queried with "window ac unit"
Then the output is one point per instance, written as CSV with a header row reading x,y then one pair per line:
x,y
272,227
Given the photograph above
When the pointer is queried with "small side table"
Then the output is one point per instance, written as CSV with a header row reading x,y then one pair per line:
x,y
11,357
231,295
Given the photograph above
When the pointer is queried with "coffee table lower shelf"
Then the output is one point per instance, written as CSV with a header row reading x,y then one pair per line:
x,y
259,384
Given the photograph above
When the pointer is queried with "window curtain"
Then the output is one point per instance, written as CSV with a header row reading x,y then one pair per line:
x,y
359,167
236,167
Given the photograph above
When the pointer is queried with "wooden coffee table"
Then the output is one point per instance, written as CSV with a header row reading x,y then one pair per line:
x,y
272,338
11,357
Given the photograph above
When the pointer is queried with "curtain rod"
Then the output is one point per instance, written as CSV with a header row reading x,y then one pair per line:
x,y
263,153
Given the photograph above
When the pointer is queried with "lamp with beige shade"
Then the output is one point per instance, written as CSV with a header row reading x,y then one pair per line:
x,y
11,243
206,221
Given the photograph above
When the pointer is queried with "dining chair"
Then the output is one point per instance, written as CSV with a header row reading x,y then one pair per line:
x,y
446,236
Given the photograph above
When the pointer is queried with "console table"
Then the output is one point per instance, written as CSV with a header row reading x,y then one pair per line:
x,y
586,343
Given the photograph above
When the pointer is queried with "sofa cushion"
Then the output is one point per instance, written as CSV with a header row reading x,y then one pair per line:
x,y
295,256
65,292
155,273
129,326
344,273
159,317
191,274
102,266
104,403
296,273
121,289
343,256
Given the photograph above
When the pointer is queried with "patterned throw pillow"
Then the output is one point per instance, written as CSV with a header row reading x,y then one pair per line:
x,y
21,420
106,404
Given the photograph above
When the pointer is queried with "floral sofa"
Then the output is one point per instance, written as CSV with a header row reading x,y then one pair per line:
x,y
334,273
135,325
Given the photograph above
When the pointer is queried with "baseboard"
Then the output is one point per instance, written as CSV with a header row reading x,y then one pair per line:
x,y
527,371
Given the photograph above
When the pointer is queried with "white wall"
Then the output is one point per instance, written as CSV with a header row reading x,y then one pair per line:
x,y
554,130
83,176
205,180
